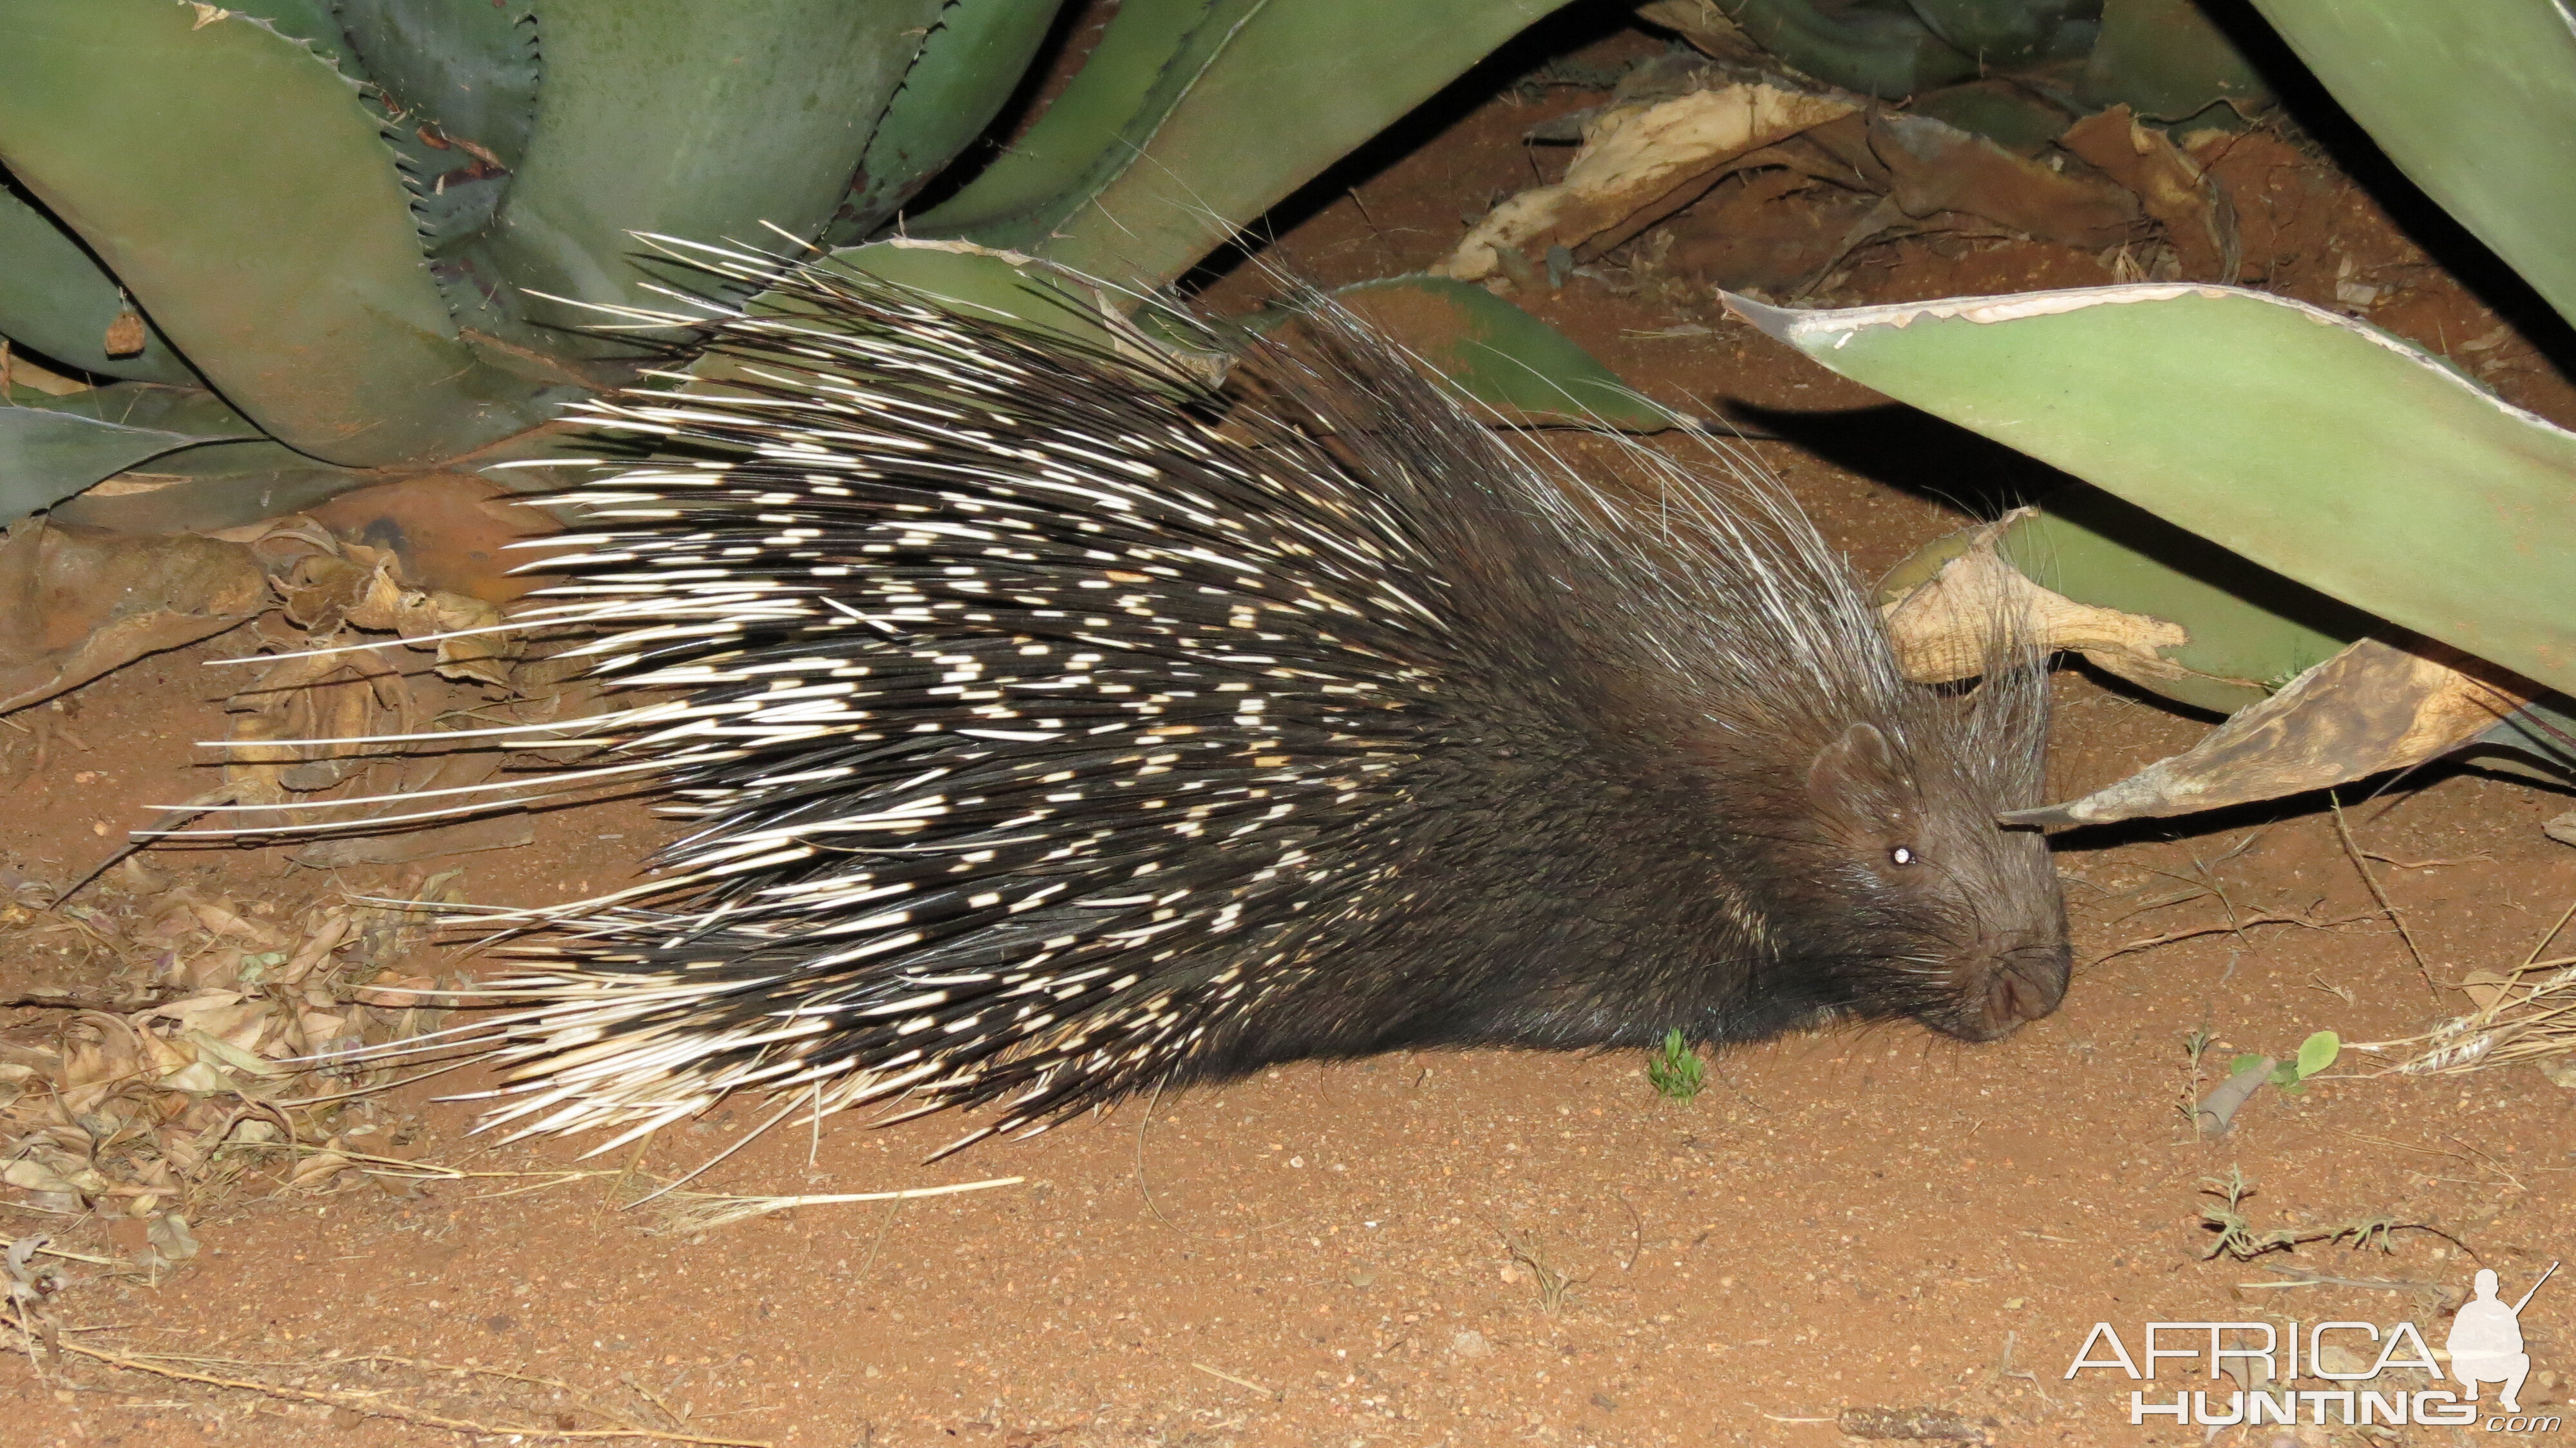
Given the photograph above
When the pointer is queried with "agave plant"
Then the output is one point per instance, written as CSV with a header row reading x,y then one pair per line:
x,y
310,243
303,244
2364,554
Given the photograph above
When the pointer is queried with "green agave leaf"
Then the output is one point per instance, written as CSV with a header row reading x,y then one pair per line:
x,y
2322,449
1001,285
1044,172
1500,355
2166,60
56,300
53,447
2003,32
2475,101
708,120
1195,116
459,86
1494,351
469,70
2543,731
1114,100
1882,50
232,179
210,486
966,72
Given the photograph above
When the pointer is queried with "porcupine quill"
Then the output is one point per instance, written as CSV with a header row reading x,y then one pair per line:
x,y
1058,724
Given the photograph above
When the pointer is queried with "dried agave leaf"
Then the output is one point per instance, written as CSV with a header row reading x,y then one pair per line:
x,y
1935,167
1636,156
2198,217
2376,706
1943,628
84,601
321,590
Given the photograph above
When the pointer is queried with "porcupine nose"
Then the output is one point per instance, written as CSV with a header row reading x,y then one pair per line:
x,y
2027,984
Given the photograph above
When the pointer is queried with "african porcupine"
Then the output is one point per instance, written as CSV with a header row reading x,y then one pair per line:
x,y
1059,723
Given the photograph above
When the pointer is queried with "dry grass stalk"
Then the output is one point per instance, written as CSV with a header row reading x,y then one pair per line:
x,y
2526,1013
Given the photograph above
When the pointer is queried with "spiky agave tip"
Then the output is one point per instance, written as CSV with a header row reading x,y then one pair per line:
x,y
1056,721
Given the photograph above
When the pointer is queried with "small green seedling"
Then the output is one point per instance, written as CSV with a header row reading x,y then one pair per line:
x,y
2316,1053
1676,1071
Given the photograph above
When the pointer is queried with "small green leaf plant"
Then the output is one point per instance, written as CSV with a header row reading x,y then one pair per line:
x,y
2316,1053
1675,1069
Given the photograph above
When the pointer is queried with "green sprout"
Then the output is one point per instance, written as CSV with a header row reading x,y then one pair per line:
x,y
1676,1071
2316,1053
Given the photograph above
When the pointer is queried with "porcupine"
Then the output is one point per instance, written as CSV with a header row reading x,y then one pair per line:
x,y
1058,723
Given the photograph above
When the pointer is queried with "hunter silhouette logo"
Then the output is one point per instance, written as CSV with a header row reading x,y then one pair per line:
x,y
2486,1341
2484,1347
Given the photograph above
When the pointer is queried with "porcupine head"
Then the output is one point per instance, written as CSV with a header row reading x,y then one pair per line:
x,y
1058,723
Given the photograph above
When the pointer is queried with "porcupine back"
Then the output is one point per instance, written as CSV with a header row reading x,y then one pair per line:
x,y
1057,724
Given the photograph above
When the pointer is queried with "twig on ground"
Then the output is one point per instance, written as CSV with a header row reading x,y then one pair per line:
x,y
374,1406
2236,928
1274,1394
2343,832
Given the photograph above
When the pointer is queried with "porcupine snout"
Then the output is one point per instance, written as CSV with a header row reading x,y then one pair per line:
x,y
2018,974
2027,982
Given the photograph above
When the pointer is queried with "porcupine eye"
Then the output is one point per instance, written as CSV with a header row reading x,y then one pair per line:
x,y
1900,856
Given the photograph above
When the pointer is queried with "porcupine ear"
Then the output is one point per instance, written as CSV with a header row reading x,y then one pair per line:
x,y
1858,780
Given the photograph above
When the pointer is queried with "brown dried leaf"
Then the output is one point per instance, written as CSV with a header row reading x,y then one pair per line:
x,y
2486,988
220,917
1942,627
125,335
31,1174
318,1169
1635,157
327,932
2376,706
1936,167
417,614
2198,217
99,1050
